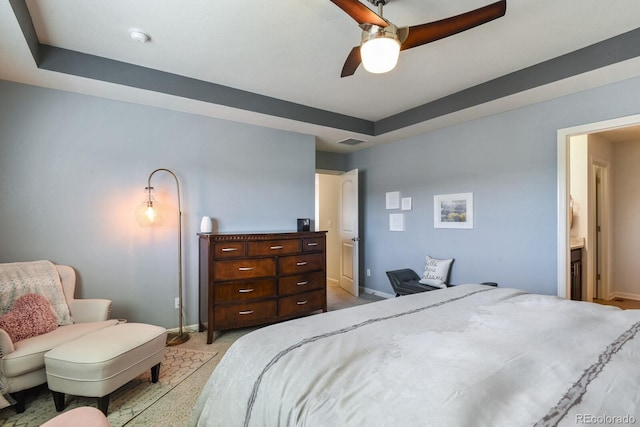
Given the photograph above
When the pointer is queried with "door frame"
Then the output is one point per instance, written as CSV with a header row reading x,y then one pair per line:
x,y
563,186
592,247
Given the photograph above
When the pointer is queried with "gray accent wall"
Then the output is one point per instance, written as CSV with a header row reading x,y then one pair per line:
x,y
509,162
73,168
613,50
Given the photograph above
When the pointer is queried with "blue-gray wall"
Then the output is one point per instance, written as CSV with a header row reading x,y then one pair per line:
x,y
508,161
73,168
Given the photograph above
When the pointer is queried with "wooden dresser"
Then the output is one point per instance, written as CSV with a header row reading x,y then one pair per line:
x,y
257,278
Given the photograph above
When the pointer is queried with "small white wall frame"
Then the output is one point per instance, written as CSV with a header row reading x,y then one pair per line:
x,y
406,203
396,222
393,200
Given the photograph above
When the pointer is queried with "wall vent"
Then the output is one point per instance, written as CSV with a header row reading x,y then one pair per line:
x,y
351,141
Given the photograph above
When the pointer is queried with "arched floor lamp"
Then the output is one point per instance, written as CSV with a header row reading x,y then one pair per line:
x,y
146,214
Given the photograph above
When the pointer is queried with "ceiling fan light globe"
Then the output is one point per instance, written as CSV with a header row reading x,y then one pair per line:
x,y
380,54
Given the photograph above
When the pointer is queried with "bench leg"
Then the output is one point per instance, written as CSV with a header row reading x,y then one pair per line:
x,y
58,400
103,404
155,373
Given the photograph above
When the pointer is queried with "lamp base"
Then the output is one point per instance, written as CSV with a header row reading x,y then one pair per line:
x,y
176,338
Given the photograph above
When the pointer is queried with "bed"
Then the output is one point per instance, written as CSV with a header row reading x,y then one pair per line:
x,y
469,355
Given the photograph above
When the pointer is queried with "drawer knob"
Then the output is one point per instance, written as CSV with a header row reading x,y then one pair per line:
x,y
312,244
301,263
246,312
302,283
229,249
244,291
302,302
245,268
277,247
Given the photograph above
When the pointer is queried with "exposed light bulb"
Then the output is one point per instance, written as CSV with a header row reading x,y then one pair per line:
x,y
150,212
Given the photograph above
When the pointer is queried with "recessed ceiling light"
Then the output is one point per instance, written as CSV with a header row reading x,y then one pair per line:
x,y
139,35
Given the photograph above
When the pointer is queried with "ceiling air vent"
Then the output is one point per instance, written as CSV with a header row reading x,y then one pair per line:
x,y
351,141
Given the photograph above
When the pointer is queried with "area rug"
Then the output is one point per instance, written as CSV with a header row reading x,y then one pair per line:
x,y
126,403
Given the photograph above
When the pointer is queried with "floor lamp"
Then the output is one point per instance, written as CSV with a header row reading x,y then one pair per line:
x,y
147,214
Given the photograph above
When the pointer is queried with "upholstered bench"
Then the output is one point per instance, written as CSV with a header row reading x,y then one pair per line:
x,y
98,363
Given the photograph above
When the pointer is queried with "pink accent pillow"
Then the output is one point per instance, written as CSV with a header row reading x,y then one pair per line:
x,y
31,315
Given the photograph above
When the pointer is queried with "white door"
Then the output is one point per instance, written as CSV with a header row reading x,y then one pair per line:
x,y
349,232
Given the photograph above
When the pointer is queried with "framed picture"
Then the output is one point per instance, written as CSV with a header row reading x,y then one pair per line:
x,y
406,203
453,210
396,222
392,200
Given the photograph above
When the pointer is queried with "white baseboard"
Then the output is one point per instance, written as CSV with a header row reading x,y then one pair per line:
x,y
333,282
376,293
624,295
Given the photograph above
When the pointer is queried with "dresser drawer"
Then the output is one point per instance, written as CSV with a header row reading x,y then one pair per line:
x,y
313,244
244,269
300,283
232,249
249,312
274,247
300,263
244,290
305,302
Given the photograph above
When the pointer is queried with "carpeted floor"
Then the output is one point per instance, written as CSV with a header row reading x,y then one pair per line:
x,y
126,403
172,407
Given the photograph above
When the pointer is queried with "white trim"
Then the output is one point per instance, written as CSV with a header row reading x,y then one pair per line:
x,y
591,269
624,295
563,232
333,282
563,186
376,293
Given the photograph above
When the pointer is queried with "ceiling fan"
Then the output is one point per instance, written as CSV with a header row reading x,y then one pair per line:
x,y
377,32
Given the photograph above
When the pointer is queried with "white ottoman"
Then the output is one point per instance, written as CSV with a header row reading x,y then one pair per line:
x,y
98,363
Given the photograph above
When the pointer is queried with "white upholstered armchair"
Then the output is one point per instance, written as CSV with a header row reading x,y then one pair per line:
x,y
22,362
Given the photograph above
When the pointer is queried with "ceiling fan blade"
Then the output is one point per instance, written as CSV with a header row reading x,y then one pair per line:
x,y
351,64
361,13
432,31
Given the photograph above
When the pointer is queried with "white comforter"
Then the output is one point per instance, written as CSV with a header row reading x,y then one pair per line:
x,y
468,355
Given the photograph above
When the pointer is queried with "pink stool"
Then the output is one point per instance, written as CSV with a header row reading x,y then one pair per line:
x,y
84,416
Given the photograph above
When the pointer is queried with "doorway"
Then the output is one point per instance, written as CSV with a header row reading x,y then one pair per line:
x,y
337,214
598,254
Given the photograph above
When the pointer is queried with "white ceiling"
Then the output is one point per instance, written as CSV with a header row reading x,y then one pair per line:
x,y
294,51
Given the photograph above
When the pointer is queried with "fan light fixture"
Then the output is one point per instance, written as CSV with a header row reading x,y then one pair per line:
x,y
380,48
379,32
